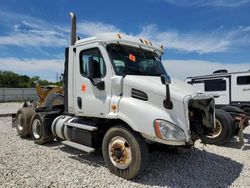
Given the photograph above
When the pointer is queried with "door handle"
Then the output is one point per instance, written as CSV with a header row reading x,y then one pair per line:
x,y
79,102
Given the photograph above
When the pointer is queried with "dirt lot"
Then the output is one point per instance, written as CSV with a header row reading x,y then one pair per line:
x,y
24,164
9,107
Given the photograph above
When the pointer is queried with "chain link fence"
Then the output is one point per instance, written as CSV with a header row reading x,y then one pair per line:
x,y
17,94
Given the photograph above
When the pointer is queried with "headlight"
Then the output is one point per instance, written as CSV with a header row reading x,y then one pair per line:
x,y
167,130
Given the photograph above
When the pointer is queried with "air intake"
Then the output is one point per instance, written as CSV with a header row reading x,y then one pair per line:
x,y
139,94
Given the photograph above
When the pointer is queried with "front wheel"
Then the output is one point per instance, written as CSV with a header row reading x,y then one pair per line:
x,y
124,151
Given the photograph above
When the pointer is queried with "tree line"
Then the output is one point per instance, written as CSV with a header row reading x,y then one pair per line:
x,y
9,79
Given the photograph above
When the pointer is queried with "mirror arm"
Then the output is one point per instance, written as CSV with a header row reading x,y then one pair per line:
x,y
167,102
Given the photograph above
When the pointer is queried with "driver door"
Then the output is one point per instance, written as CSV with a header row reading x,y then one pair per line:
x,y
89,100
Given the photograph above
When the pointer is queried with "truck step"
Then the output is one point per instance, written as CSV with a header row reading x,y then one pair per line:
x,y
78,146
81,126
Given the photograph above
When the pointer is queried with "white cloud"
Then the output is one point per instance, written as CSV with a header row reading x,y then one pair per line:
x,y
189,42
31,65
184,68
26,34
219,40
87,28
28,31
210,3
33,38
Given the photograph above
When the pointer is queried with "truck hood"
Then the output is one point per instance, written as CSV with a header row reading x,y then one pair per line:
x,y
152,84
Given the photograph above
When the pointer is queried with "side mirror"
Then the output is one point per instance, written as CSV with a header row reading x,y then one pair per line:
x,y
91,71
165,79
91,74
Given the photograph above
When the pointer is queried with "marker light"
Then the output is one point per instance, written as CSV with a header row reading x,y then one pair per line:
x,y
119,36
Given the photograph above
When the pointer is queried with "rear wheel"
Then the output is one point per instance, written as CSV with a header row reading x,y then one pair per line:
x,y
40,132
223,130
23,118
124,151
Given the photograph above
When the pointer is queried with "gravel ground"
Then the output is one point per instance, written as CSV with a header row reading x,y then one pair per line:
x,y
24,164
10,107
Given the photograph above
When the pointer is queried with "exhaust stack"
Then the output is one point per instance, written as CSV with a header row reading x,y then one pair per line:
x,y
73,28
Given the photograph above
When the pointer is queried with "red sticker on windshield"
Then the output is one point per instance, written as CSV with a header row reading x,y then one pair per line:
x,y
131,57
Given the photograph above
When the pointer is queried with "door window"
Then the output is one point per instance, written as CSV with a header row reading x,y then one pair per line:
x,y
95,53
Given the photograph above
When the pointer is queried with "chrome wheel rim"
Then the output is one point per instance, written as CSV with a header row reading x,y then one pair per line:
x,y
20,122
36,129
120,152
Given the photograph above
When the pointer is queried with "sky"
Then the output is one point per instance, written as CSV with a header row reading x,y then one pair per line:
x,y
198,36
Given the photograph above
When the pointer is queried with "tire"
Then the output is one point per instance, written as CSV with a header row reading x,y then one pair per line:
x,y
23,118
247,110
40,133
226,128
234,109
119,141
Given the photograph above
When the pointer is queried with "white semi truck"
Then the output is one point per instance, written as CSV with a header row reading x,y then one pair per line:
x,y
118,97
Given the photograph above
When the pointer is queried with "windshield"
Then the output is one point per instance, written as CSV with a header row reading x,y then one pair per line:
x,y
129,60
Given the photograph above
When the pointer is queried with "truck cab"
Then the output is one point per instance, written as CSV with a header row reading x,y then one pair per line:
x,y
116,76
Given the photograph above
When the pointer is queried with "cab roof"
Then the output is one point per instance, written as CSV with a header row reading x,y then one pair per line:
x,y
121,39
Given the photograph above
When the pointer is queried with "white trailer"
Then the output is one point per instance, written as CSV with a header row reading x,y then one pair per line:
x,y
118,97
232,97
228,88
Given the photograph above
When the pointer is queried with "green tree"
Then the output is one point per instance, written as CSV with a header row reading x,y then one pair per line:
x,y
10,79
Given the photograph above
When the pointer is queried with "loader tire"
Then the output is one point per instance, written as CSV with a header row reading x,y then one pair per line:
x,y
23,117
224,128
40,133
124,151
